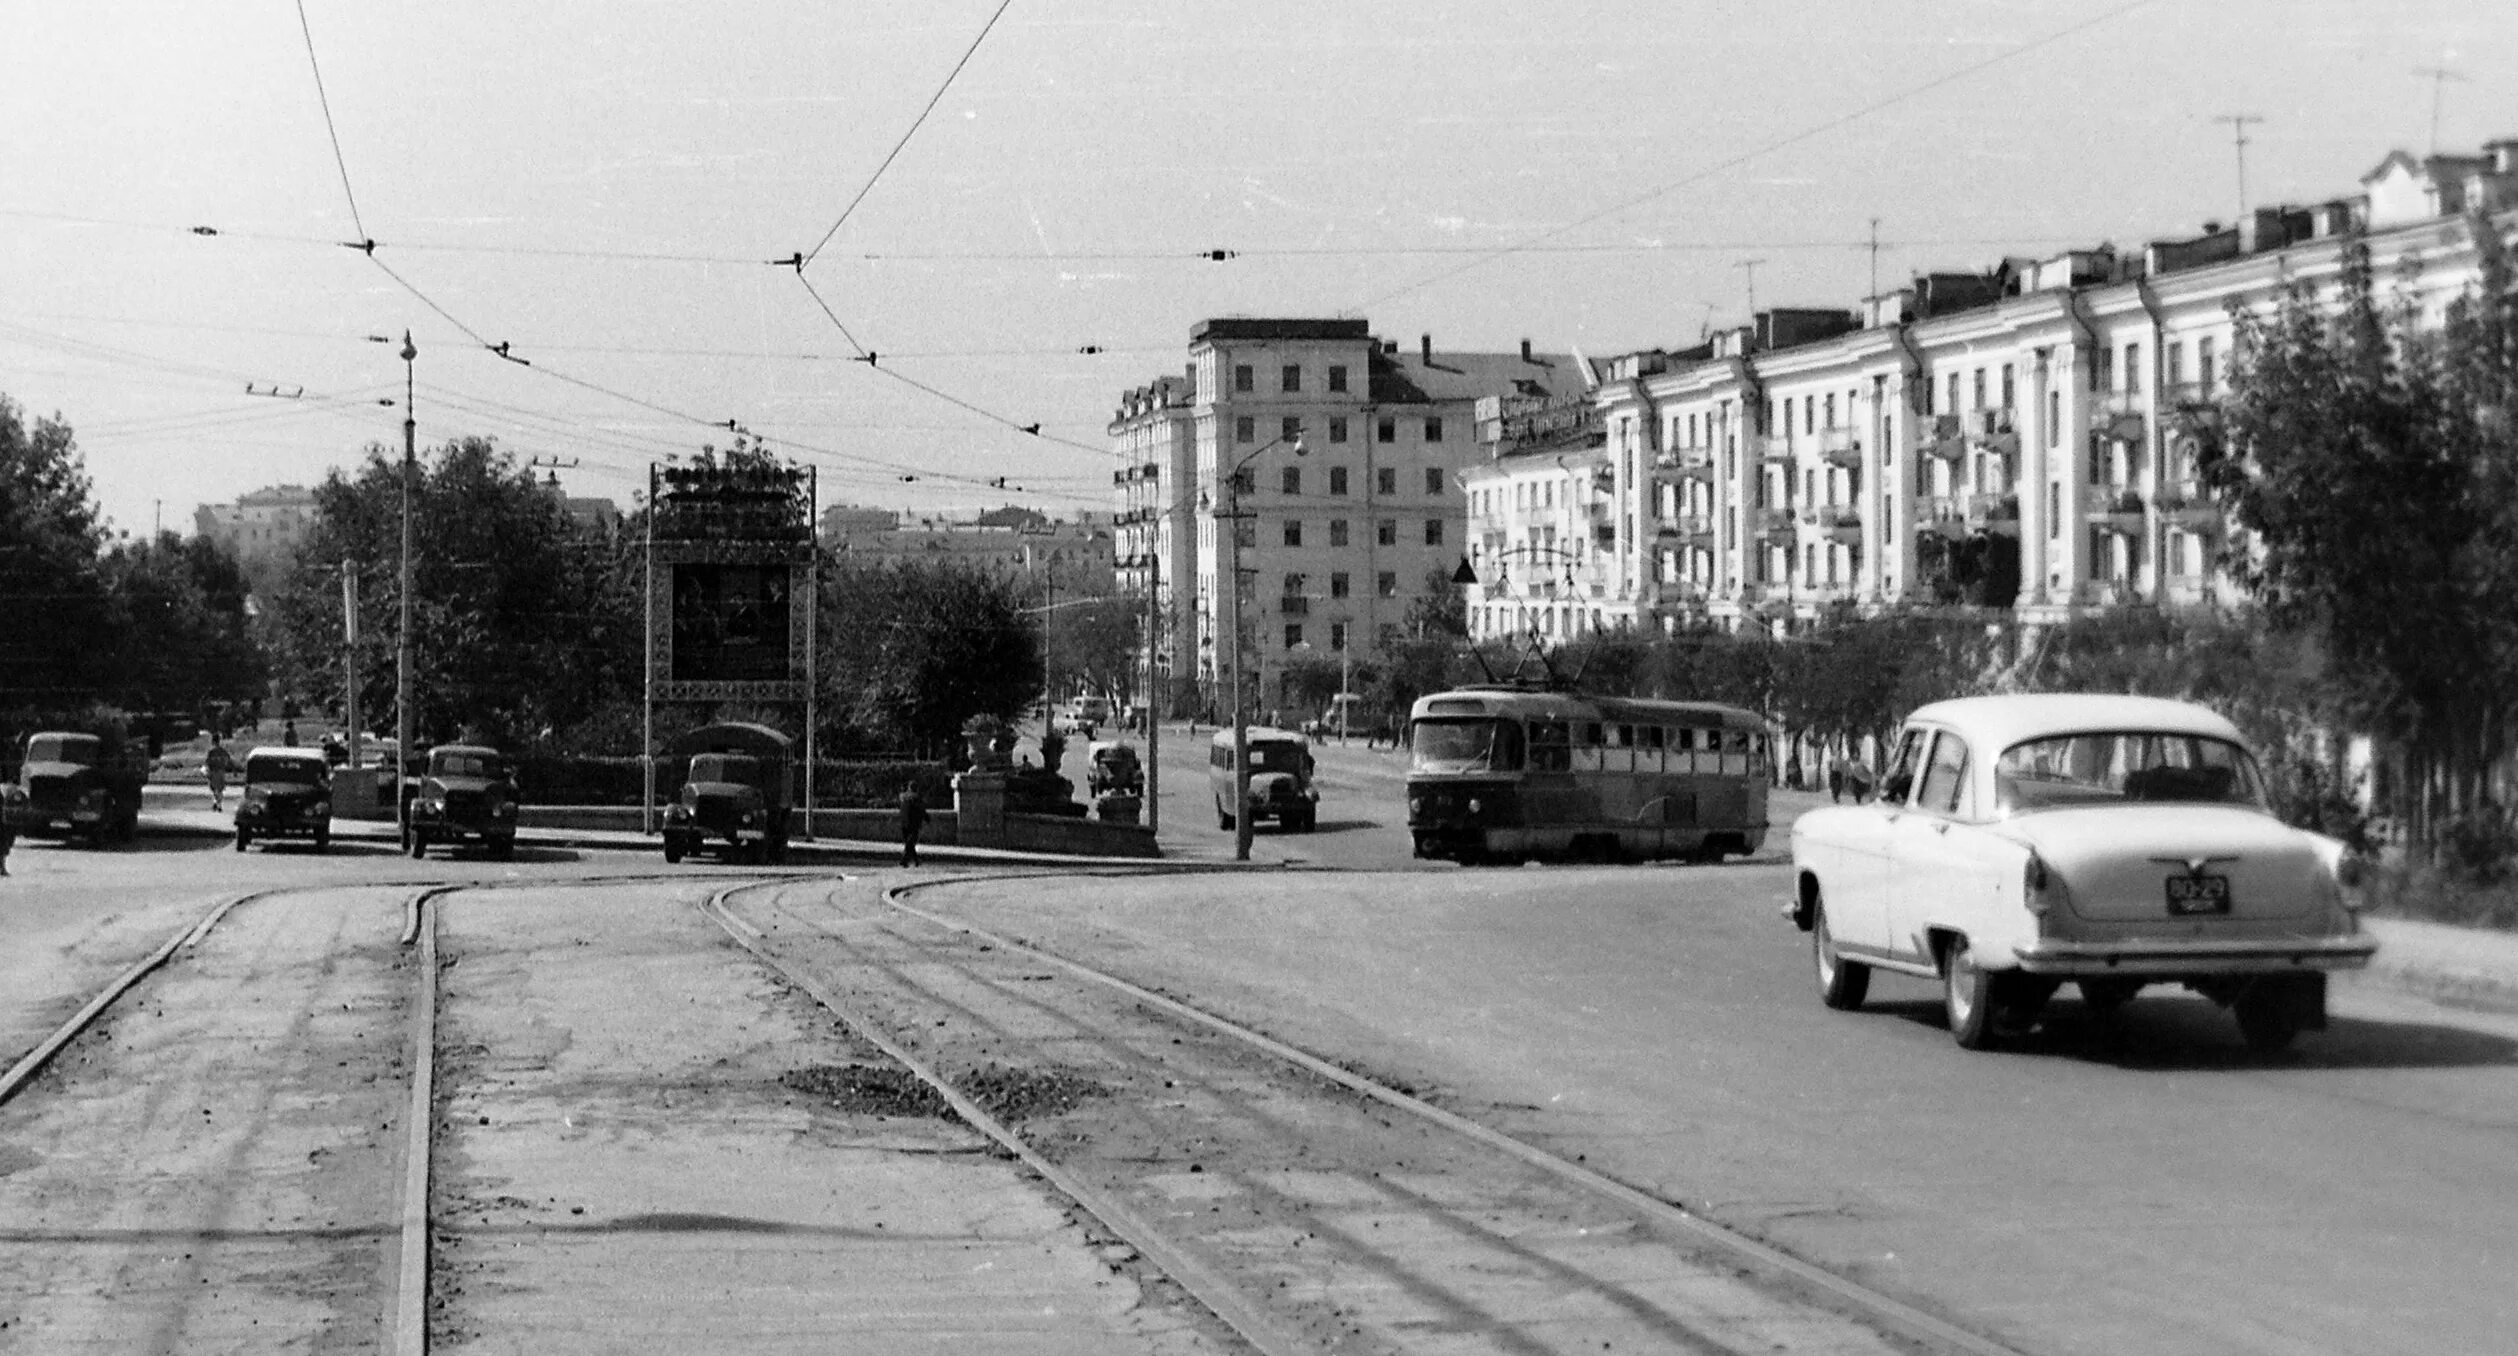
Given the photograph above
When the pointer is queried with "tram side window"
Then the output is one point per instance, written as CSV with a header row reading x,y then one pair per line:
x,y
1736,752
1591,747
1683,751
1551,746
1648,745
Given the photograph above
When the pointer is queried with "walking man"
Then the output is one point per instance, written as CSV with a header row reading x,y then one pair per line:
x,y
913,822
216,767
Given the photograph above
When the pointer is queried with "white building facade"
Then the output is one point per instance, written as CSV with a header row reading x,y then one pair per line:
x,y
2021,439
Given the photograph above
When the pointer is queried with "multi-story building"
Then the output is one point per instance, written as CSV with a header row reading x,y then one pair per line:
x,y
1328,463
1544,551
1067,559
262,530
2023,438
1155,437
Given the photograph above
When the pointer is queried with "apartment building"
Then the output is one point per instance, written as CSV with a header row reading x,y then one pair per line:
x,y
1545,553
262,529
2020,438
1325,460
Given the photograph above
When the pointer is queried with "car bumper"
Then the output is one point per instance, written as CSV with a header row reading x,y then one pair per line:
x,y
2255,956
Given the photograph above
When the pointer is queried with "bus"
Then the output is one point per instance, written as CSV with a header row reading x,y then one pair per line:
x,y
1509,774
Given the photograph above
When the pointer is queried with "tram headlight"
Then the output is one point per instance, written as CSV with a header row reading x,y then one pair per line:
x,y
1476,805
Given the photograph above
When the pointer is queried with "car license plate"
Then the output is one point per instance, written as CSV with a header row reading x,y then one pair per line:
x,y
2198,894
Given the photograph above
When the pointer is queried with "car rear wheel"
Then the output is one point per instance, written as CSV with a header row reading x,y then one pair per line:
x,y
244,839
2270,1014
1842,983
1223,817
1968,994
418,843
323,839
672,850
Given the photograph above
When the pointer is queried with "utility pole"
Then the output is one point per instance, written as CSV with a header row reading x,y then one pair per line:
x,y
406,727
1153,700
2440,76
1875,256
349,658
2238,134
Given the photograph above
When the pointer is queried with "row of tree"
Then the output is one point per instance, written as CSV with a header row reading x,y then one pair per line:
x,y
89,619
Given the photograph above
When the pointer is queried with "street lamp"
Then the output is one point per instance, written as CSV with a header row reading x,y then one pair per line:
x,y
1230,514
405,727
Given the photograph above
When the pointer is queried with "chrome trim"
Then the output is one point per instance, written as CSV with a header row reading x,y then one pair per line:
x,y
2222,957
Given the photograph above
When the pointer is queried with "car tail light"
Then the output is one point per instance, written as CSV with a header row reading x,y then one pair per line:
x,y
2040,888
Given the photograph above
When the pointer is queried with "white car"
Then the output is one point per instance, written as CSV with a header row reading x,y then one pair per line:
x,y
2019,842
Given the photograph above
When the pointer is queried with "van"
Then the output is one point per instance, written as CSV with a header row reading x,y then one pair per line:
x,y
1280,779
1083,713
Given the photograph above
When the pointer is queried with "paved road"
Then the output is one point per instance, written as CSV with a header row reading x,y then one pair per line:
x,y
2143,1186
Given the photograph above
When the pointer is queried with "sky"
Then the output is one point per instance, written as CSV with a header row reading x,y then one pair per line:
x,y
1008,209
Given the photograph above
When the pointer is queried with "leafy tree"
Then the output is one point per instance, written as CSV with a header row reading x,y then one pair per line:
x,y
912,649
178,618
521,622
52,586
2371,467
1094,646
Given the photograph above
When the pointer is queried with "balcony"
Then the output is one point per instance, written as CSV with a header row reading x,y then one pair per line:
x,y
2187,502
1772,450
1841,447
1992,430
1942,515
1694,529
2120,418
2118,510
1994,513
1294,605
1773,520
1843,523
1945,437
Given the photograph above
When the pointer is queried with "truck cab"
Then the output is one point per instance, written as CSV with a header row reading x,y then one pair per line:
x,y
75,784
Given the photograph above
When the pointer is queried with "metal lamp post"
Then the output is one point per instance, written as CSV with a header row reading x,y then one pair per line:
x,y
1232,589
405,725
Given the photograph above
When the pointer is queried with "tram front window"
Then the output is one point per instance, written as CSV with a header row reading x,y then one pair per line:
x,y
1465,746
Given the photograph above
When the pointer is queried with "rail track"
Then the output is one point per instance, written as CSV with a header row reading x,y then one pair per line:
x,y
1306,1205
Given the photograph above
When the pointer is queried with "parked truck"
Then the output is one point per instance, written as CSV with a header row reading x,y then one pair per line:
x,y
76,784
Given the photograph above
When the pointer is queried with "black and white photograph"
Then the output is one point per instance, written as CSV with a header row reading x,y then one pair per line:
x,y
1079,676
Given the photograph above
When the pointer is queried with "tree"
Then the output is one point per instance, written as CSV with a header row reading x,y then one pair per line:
x,y
521,620
1093,645
2370,466
177,615
53,651
912,649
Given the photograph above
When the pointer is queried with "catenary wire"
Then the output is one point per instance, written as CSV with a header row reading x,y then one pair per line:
x,y
871,180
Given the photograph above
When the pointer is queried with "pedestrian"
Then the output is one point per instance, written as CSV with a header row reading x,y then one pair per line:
x,y
1836,779
288,733
913,823
216,767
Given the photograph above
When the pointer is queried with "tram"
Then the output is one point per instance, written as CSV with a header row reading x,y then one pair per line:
x,y
1508,773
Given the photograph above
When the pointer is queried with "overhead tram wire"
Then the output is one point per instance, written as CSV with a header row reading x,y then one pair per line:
x,y
1745,157
920,121
330,130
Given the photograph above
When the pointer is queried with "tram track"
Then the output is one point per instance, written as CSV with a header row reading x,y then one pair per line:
x,y
1305,1204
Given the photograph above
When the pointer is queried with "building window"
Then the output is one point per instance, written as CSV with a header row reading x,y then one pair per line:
x,y
2103,370
1293,378
1387,532
1340,584
1433,531
1293,479
2133,369
1293,634
2203,364
1337,377
1433,480
1337,532
1386,584
1980,388
1433,430
1242,378
1386,479
1831,411
1337,636
1337,479
1293,531
1290,429
1337,428
2010,388
2054,510
1293,587
1245,429
1387,431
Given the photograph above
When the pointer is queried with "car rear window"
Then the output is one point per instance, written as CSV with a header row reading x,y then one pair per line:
x,y
2125,767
